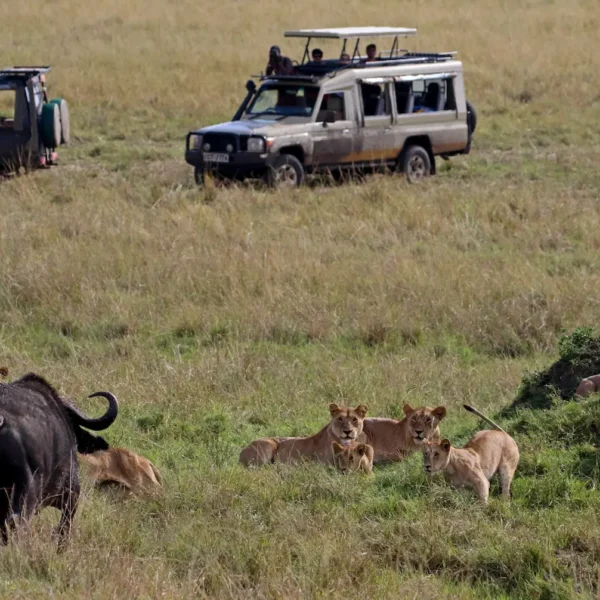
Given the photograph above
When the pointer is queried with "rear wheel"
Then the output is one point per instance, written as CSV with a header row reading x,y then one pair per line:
x,y
287,172
471,124
415,163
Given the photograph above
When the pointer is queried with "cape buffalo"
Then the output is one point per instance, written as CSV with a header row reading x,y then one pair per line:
x,y
40,435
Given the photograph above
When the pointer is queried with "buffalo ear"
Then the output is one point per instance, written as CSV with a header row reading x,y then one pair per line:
x,y
361,410
439,412
337,448
361,449
334,408
446,445
407,409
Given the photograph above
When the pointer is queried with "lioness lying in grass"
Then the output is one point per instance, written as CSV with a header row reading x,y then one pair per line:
x,y
485,454
587,386
345,427
123,467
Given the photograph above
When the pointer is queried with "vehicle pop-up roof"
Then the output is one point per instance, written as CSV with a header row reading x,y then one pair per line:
x,y
13,76
345,33
312,71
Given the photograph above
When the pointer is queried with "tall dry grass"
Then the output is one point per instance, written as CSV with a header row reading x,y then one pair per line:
x,y
138,65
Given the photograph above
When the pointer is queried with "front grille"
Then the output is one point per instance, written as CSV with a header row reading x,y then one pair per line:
x,y
219,141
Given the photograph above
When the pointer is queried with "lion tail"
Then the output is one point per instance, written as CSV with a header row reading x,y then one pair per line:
x,y
157,474
482,416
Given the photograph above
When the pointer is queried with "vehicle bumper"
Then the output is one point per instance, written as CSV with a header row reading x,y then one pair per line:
x,y
240,163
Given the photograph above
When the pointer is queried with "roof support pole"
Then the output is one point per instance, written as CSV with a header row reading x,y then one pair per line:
x,y
306,54
394,47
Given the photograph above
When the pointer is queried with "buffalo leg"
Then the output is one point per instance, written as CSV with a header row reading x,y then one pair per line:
x,y
23,502
68,507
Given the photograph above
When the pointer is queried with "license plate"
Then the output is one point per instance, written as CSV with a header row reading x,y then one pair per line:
x,y
215,157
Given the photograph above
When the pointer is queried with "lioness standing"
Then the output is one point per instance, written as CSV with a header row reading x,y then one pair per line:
x,y
485,454
394,440
345,427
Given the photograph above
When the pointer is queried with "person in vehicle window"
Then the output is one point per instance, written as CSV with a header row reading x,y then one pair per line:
x,y
371,52
279,64
345,59
317,55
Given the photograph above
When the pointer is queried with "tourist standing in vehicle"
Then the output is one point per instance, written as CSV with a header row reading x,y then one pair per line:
x,y
371,52
279,64
317,55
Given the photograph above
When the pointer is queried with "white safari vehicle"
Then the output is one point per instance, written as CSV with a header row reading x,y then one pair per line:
x,y
397,110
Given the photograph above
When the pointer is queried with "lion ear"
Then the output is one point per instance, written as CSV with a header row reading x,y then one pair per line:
x,y
337,448
361,449
361,410
439,412
407,409
446,445
334,408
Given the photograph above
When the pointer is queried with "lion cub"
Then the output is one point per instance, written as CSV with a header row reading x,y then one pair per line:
x,y
485,454
358,457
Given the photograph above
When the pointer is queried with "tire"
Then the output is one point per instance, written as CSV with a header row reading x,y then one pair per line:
x,y
65,122
471,118
415,163
471,125
50,129
287,172
199,176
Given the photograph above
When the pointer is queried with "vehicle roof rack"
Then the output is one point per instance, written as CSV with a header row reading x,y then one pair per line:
x,y
313,72
338,33
24,71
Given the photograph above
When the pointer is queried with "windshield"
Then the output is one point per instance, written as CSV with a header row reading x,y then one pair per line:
x,y
284,100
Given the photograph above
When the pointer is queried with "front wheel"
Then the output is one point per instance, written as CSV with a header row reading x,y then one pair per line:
x,y
287,172
415,163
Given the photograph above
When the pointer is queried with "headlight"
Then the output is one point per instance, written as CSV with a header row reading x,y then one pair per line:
x,y
256,144
196,142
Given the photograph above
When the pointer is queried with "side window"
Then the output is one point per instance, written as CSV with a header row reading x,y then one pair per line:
x,y
334,102
405,98
375,99
433,96
450,97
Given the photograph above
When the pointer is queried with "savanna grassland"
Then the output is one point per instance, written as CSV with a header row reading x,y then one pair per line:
x,y
219,315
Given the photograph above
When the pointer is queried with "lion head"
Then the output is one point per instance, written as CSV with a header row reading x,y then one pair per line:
x,y
436,455
423,422
348,458
347,423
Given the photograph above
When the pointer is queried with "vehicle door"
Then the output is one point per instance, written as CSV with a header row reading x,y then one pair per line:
x,y
15,130
376,142
333,142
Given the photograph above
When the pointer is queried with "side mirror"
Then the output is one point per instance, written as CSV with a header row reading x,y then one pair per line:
x,y
328,117
250,86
